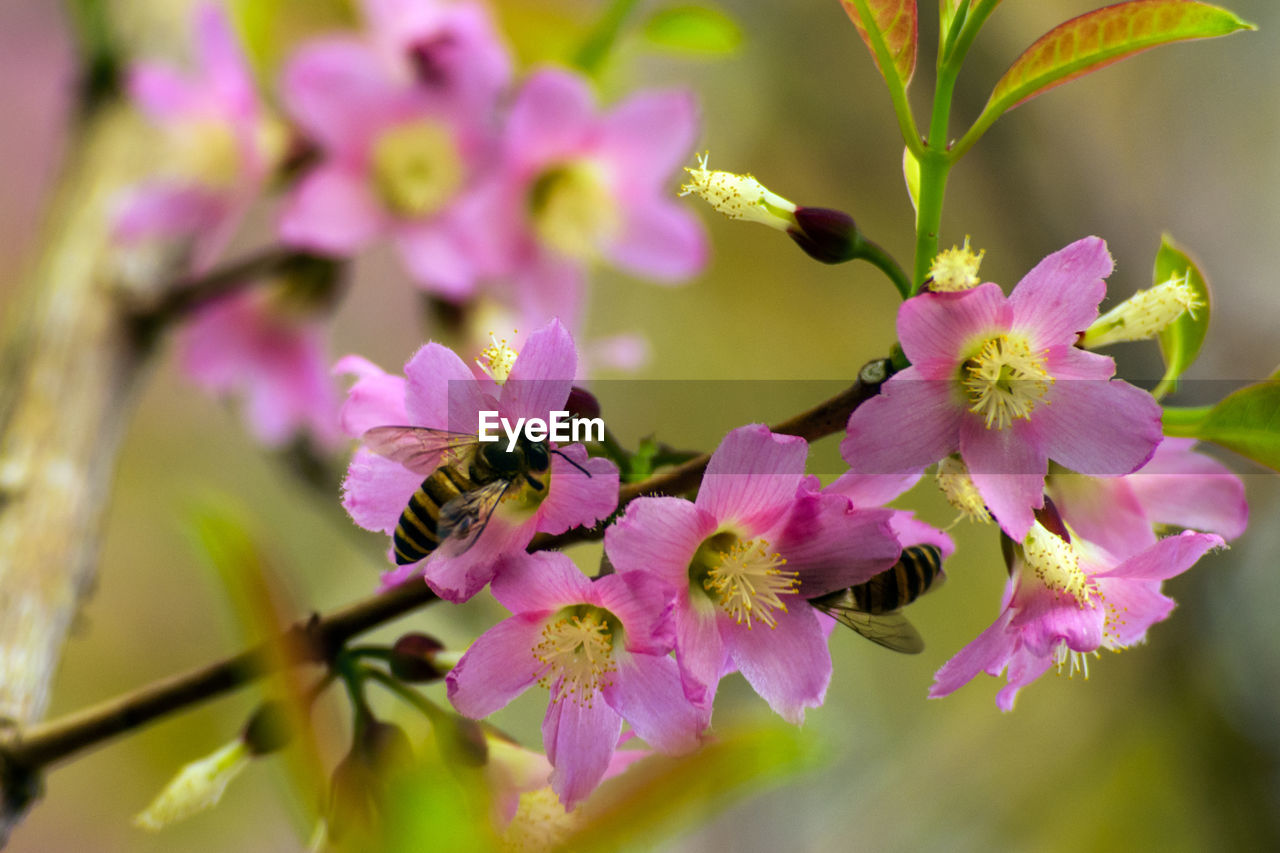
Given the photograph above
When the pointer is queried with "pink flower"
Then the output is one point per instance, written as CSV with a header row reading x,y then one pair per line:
x,y
1178,487
1064,600
250,344
397,159
745,558
575,187
224,145
867,491
600,646
441,392
1001,380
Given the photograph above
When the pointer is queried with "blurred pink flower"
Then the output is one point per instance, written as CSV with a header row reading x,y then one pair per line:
x,y
745,557
575,186
224,145
277,359
1001,380
1178,487
600,646
1064,600
439,391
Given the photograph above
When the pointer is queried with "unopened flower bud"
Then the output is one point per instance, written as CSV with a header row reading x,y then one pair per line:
x,y
825,235
197,787
359,784
268,729
956,269
739,196
1145,314
413,658
582,403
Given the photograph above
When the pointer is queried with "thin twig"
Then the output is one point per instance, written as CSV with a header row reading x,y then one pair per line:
x,y
319,639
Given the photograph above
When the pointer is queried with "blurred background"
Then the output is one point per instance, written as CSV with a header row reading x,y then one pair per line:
x,y
1172,746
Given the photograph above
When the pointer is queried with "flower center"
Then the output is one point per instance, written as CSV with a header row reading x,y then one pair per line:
x,y
1055,564
206,150
572,209
749,581
1005,380
540,822
416,167
497,359
958,488
956,269
577,649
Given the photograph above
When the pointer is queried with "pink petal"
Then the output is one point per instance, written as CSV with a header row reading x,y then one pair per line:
x,y
834,546
551,118
912,423
339,93
549,287
221,59
579,735
541,582
498,666
376,398
1008,469
542,375
437,259
162,93
1171,556
1133,606
1069,362
1103,511
457,576
1048,619
658,535
649,136
168,210
1099,428
332,210
576,500
789,665
700,649
1188,489
870,490
753,474
989,652
912,531
1059,297
659,240
376,491
646,691
644,603
442,392
1024,668
940,327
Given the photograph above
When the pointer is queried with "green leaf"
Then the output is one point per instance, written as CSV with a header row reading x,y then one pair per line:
x,y
693,29
1104,36
1246,421
911,173
1180,342
891,29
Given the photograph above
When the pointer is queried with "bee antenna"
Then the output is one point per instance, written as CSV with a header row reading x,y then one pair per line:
x,y
562,455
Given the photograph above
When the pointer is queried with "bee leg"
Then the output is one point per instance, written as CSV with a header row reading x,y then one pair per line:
x,y
538,485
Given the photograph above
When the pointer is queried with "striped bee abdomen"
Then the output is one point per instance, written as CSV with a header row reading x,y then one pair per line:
x,y
911,577
417,532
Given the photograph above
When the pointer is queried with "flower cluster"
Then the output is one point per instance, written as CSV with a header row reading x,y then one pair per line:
x,y
495,189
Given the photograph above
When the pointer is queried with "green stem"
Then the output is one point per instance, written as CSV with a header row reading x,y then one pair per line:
x,y
1181,421
598,44
935,165
873,254
897,89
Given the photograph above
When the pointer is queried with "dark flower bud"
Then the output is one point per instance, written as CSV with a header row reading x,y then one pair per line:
x,y
413,658
582,403
825,235
1051,520
359,783
268,729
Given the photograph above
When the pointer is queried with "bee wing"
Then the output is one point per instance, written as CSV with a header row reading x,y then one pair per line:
x,y
464,518
420,449
891,630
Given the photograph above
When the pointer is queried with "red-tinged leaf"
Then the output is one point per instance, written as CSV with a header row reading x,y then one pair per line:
x,y
1104,36
895,24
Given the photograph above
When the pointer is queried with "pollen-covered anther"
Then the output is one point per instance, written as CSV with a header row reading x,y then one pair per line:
x,y
497,359
739,196
578,653
750,581
1145,314
958,488
1005,380
1055,564
956,269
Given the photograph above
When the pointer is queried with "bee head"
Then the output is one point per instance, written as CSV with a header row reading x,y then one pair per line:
x,y
525,456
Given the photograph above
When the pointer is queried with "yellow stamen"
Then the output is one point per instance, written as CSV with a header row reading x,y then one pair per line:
x,y
416,167
577,648
958,488
750,581
1145,314
497,359
1005,380
956,269
738,196
1055,564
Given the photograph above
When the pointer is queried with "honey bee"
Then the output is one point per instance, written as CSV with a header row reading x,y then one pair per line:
x,y
466,480
873,609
